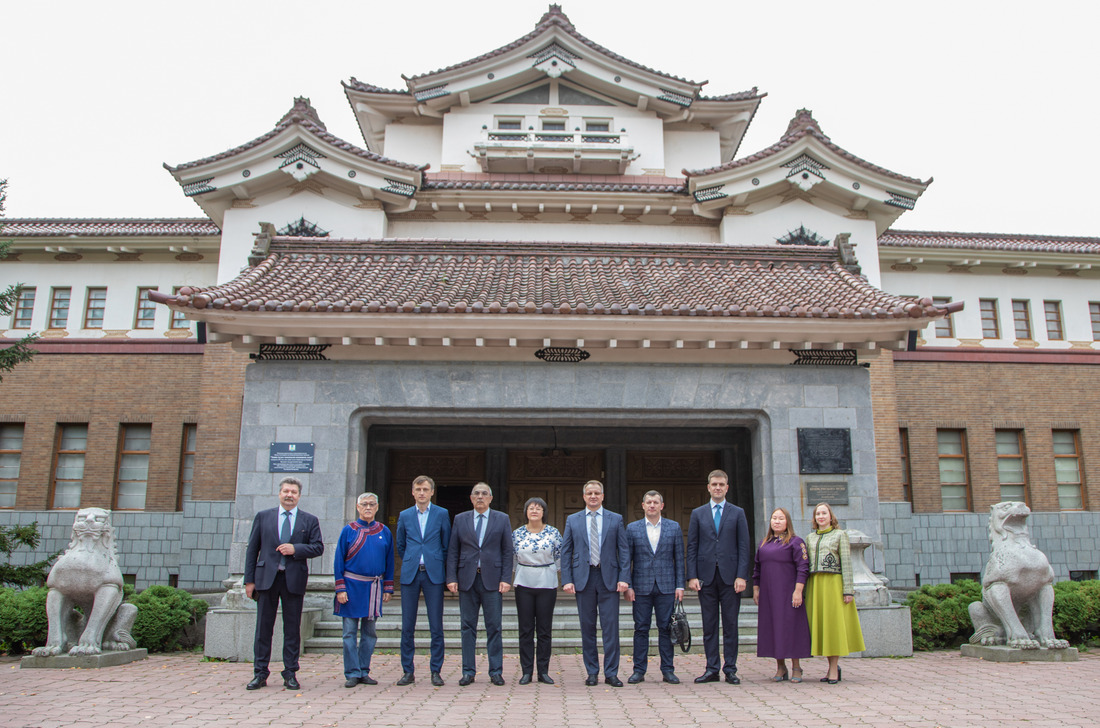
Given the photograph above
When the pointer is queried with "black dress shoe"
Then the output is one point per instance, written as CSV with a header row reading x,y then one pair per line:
x,y
465,680
498,680
525,679
368,680
257,683
733,680
613,681
708,676
636,678
291,683
351,682
670,677
407,679
545,678
437,680
591,680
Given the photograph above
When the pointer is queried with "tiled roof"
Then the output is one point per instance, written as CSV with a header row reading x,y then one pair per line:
x,y
555,17
460,276
105,227
553,182
803,124
303,114
989,241
752,93
357,85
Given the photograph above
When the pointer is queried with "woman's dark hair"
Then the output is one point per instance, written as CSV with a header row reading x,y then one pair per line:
x,y
536,501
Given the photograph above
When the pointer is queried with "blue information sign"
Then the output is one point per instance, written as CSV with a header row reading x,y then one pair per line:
x,y
291,457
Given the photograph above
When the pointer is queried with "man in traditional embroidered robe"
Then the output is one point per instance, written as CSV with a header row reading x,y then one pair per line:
x,y
364,580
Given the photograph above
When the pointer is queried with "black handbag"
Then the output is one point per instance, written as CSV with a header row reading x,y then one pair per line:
x,y
678,627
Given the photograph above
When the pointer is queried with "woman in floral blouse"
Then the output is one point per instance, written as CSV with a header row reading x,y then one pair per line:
x,y
537,548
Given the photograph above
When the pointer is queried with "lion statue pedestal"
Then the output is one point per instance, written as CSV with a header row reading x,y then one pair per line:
x,y
1014,620
87,576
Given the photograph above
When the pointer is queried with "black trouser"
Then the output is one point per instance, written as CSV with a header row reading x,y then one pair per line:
x,y
535,608
267,607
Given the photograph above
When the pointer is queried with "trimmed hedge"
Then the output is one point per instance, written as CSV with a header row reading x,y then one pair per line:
x,y
23,624
941,618
163,613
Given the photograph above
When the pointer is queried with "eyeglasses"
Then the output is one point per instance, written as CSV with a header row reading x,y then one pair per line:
x,y
367,505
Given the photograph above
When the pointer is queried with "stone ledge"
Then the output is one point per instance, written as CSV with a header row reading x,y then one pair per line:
x,y
1000,653
104,659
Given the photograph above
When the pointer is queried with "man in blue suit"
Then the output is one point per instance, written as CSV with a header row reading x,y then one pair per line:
x,y
276,570
718,561
656,583
423,534
594,559
479,553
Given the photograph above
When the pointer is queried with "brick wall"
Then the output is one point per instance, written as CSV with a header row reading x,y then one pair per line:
x,y
220,396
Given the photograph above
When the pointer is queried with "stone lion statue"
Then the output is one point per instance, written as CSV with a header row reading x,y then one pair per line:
x,y
87,575
1017,588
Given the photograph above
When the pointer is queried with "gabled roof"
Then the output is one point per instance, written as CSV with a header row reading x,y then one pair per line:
x,y
107,227
989,241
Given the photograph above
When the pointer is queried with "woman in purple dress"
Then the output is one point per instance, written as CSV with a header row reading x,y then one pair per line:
x,y
782,566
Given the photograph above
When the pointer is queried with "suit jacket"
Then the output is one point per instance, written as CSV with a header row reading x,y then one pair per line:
x,y
660,572
614,554
261,560
726,552
432,546
495,552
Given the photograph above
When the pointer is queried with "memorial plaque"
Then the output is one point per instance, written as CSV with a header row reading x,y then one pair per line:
x,y
834,492
824,450
290,457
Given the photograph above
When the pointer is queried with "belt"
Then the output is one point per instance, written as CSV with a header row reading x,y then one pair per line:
x,y
535,566
422,568
593,566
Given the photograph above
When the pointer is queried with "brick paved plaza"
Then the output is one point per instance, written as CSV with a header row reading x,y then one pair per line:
x,y
938,689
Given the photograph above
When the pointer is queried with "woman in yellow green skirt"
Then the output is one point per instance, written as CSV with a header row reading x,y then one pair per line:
x,y
830,597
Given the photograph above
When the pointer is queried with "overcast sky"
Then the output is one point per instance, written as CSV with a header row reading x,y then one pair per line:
x,y
996,100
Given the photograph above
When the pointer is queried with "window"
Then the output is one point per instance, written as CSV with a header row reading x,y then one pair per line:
x,y
68,472
187,464
954,475
553,124
957,576
1067,470
94,306
944,328
11,451
906,483
133,466
990,328
1094,314
24,309
59,307
1021,318
1082,575
179,318
146,310
597,125
1053,311
1011,468
509,123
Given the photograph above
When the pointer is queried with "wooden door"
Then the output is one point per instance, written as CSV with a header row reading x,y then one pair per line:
x,y
679,476
557,478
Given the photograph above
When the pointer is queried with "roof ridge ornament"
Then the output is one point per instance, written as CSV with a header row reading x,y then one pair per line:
x,y
803,120
302,110
554,14
847,252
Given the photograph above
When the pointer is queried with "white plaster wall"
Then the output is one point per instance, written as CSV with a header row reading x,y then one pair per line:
x,y
556,231
122,280
691,150
415,144
332,211
1075,293
765,226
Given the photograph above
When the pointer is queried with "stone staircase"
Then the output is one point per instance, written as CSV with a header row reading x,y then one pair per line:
x,y
566,634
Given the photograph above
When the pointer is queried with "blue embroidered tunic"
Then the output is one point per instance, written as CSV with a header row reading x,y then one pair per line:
x,y
363,567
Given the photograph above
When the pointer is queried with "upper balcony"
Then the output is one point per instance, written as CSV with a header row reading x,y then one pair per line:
x,y
553,151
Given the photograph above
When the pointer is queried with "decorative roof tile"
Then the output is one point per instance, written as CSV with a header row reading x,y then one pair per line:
x,y
803,124
553,182
489,277
357,85
752,93
106,227
989,241
304,115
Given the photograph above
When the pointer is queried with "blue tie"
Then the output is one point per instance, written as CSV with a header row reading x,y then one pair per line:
x,y
284,537
479,529
717,517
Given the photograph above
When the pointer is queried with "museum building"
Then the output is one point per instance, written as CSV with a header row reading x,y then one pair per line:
x,y
543,265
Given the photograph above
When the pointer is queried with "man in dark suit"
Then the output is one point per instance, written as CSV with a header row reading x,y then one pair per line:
x,y
594,559
718,561
423,534
275,570
479,554
656,583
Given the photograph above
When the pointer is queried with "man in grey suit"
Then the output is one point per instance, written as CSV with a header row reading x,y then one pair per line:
x,y
656,583
718,561
479,553
594,558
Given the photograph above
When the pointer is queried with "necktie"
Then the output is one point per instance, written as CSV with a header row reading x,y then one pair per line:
x,y
284,537
480,527
717,517
594,539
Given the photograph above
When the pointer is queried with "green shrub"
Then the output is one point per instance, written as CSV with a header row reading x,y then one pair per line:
x,y
23,624
1077,610
940,616
163,613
